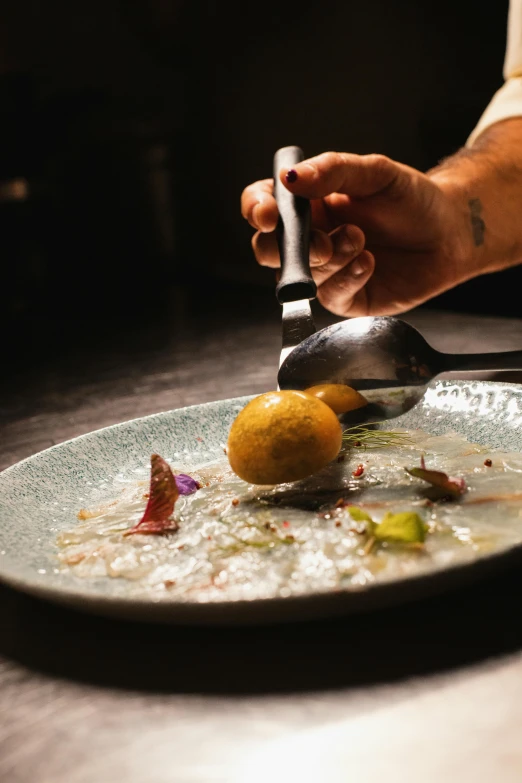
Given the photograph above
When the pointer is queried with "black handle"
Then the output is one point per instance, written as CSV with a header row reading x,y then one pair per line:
x,y
293,234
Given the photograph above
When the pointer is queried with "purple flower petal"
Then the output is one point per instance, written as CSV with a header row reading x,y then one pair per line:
x,y
186,484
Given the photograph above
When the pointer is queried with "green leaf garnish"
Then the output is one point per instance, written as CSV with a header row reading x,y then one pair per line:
x,y
358,515
406,527
361,436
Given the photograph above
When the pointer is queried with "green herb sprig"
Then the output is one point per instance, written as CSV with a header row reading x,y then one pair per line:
x,y
362,437
270,539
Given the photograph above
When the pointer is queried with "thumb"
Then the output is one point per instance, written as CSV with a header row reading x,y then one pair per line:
x,y
342,172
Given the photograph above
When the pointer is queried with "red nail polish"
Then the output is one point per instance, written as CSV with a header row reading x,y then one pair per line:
x,y
291,175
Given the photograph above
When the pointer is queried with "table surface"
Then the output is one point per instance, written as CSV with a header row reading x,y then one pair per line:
x,y
428,691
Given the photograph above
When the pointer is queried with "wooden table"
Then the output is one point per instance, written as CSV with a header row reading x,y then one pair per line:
x,y
427,692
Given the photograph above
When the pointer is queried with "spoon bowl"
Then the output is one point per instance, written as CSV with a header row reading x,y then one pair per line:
x,y
384,358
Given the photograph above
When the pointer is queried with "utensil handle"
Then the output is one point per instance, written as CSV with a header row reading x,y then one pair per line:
x,y
293,234
470,362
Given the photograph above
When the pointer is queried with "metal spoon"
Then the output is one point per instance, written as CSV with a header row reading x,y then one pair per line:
x,y
384,358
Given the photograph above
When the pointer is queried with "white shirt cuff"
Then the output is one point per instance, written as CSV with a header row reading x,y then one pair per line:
x,y
507,102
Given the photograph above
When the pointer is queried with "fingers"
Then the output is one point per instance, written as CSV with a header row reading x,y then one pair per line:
x,y
357,176
347,243
328,254
267,252
341,280
340,267
258,205
344,292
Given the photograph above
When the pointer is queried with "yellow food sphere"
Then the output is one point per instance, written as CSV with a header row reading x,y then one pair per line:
x,y
283,436
338,397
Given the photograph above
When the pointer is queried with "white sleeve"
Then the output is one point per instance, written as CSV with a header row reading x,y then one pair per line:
x,y
507,102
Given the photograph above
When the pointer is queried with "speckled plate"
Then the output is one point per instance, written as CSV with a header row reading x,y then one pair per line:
x,y
40,496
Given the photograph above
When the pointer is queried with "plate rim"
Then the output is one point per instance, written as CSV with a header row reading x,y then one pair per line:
x,y
319,604
122,424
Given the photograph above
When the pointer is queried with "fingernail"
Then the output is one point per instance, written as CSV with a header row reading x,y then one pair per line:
x,y
346,244
255,215
347,248
316,245
291,176
357,268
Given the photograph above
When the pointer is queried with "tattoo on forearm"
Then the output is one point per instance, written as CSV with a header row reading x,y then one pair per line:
x,y
478,227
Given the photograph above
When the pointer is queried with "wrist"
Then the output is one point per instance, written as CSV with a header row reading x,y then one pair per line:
x,y
483,187
460,187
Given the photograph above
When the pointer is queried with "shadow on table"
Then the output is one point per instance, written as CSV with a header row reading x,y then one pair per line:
x,y
437,634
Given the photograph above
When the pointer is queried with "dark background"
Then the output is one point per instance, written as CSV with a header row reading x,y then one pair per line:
x,y
136,125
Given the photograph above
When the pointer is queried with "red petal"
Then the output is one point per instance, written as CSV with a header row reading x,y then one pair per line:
x,y
156,528
163,494
451,485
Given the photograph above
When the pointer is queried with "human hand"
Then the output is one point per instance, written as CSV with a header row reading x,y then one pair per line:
x,y
385,237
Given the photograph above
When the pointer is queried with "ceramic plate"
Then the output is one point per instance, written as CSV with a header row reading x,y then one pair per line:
x,y
40,496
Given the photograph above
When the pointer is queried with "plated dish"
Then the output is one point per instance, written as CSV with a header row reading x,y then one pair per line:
x,y
242,553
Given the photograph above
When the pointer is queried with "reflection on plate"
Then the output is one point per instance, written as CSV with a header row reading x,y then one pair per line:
x,y
41,496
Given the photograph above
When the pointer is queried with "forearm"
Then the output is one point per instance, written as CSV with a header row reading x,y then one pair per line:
x,y
485,184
